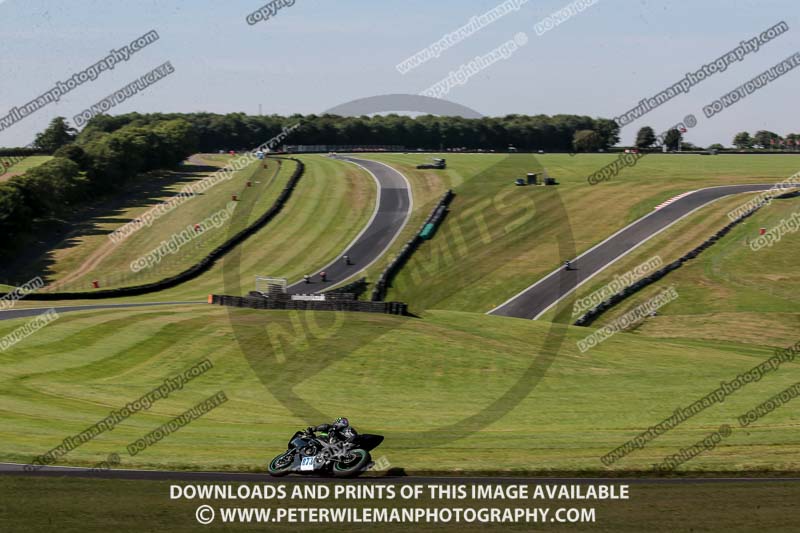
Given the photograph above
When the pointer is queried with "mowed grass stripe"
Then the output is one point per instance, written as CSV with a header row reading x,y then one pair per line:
x,y
102,379
75,334
730,292
316,205
115,271
129,358
329,207
108,340
89,244
337,200
481,267
456,364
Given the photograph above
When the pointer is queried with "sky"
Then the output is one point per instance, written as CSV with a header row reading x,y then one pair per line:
x,y
316,54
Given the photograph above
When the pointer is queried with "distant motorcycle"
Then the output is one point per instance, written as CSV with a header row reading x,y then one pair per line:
x,y
309,454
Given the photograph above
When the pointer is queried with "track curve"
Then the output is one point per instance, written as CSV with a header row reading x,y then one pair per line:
x,y
538,298
391,214
392,211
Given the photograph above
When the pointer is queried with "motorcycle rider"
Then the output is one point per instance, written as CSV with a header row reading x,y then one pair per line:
x,y
340,430
347,260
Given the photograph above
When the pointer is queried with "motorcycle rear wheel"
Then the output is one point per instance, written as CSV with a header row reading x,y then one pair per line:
x,y
279,466
352,468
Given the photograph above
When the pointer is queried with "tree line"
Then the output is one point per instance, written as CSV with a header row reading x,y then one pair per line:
x,y
112,150
762,139
238,131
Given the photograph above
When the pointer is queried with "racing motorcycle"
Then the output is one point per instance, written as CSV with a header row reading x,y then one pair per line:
x,y
309,454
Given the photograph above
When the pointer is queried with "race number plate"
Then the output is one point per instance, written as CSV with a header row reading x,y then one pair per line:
x,y
307,463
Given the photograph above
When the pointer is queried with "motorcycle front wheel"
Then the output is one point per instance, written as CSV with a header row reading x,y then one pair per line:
x,y
282,464
356,463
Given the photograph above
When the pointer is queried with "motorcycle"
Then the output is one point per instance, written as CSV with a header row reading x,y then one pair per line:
x,y
308,454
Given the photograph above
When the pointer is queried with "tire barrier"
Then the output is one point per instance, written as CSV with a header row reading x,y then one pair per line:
x,y
356,288
426,232
194,271
594,313
344,302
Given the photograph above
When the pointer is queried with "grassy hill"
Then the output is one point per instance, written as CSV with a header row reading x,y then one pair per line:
x,y
480,384
98,258
541,404
23,165
330,205
498,238
729,292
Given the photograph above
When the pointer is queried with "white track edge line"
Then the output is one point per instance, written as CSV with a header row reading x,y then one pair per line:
x,y
557,270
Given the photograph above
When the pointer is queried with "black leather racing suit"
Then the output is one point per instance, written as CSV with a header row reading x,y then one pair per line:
x,y
346,434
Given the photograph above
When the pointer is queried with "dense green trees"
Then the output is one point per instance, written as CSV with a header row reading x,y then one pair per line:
x,y
59,133
672,139
15,214
743,141
91,166
587,141
765,139
645,137
74,153
238,131
111,151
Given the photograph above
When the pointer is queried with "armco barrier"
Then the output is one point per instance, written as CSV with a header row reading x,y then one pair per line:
x,y
435,218
329,304
203,266
592,314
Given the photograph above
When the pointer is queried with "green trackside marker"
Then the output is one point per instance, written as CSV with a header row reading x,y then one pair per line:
x,y
427,231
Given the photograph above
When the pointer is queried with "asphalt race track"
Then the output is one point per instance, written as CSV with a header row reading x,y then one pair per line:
x,y
394,207
390,216
545,293
177,475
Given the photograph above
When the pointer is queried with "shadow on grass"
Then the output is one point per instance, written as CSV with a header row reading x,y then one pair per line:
x,y
34,253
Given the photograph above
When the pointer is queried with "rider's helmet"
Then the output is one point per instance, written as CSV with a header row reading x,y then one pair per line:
x,y
341,423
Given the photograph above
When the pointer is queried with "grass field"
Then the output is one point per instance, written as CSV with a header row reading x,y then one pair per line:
x,y
95,257
283,370
23,165
729,292
78,249
330,205
498,238
570,408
